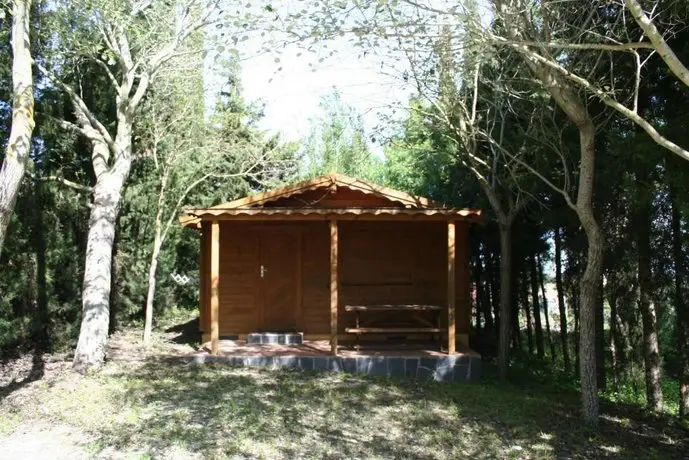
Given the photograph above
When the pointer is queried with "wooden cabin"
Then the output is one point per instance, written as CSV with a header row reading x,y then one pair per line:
x,y
336,259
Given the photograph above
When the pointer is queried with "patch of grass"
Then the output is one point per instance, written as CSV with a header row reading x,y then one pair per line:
x,y
163,409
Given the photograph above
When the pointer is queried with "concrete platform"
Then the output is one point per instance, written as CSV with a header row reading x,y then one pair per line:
x,y
464,365
275,338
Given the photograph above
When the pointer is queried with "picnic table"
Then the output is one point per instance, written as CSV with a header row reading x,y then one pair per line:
x,y
413,312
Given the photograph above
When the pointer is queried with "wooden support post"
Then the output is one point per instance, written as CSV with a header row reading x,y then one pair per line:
x,y
215,282
451,332
333,287
463,290
203,283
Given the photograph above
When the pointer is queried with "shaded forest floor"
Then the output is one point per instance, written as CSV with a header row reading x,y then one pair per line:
x,y
147,406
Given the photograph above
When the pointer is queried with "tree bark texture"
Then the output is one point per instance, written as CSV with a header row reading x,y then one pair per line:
x,y
654,391
19,142
575,312
590,280
107,194
600,338
561,300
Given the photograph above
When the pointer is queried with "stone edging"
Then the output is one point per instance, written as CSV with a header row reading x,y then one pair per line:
x,y
440,368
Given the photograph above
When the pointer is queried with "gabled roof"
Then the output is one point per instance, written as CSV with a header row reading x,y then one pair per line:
x,y
331,180
400,204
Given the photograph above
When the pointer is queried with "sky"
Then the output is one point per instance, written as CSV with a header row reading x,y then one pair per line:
x,y
292,89
291,82
292,95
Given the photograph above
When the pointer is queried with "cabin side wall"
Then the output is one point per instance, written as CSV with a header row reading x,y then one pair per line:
x,y
379,262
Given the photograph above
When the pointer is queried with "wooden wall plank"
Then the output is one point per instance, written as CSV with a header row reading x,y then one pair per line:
x,y
215,283
299,269
418,249
333,286
451,249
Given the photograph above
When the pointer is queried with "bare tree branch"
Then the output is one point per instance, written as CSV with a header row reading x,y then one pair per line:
x,y
659,43
66,182
609,101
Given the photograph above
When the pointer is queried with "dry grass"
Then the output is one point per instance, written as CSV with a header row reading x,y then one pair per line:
x,y
161,409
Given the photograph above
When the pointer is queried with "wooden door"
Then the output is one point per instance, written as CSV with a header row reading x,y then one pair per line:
x,y
279,278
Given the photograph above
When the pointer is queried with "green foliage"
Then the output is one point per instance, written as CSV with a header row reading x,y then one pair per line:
x,y
337,144
208,162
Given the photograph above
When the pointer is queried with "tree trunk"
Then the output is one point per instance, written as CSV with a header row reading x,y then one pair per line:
x,y
516,304
116,282
561,300
600,338
478,299
536,307
494,294
654,391
505,299
681,308
107,194
486,298
614,333
524,290
575,311
157,244
590,281
549,336
568,98
19,142
148,323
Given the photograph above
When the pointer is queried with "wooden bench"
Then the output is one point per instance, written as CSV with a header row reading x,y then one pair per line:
x,y
413,310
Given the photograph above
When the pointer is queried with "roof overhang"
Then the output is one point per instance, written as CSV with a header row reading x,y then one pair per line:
x,y
193,217
396,205
333,181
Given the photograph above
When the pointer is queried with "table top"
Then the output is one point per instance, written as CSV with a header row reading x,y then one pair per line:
x,y
393,307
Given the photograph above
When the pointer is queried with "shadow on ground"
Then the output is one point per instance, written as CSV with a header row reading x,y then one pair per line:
x,y
25,373
185,333
221,410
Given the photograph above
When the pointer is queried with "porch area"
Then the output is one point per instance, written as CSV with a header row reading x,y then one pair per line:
x,y
412,360
344,264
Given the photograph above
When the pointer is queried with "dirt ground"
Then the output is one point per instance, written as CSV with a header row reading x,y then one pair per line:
x,y
145,404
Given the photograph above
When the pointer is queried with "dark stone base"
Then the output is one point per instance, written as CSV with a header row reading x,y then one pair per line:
x,y
438,368
275,338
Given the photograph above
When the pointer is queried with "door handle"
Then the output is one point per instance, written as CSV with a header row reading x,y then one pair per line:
x,y
263,271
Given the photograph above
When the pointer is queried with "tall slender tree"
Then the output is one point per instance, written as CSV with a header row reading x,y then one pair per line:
x,y
559,286
111,36
518,28
538,324
654,391
19,142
